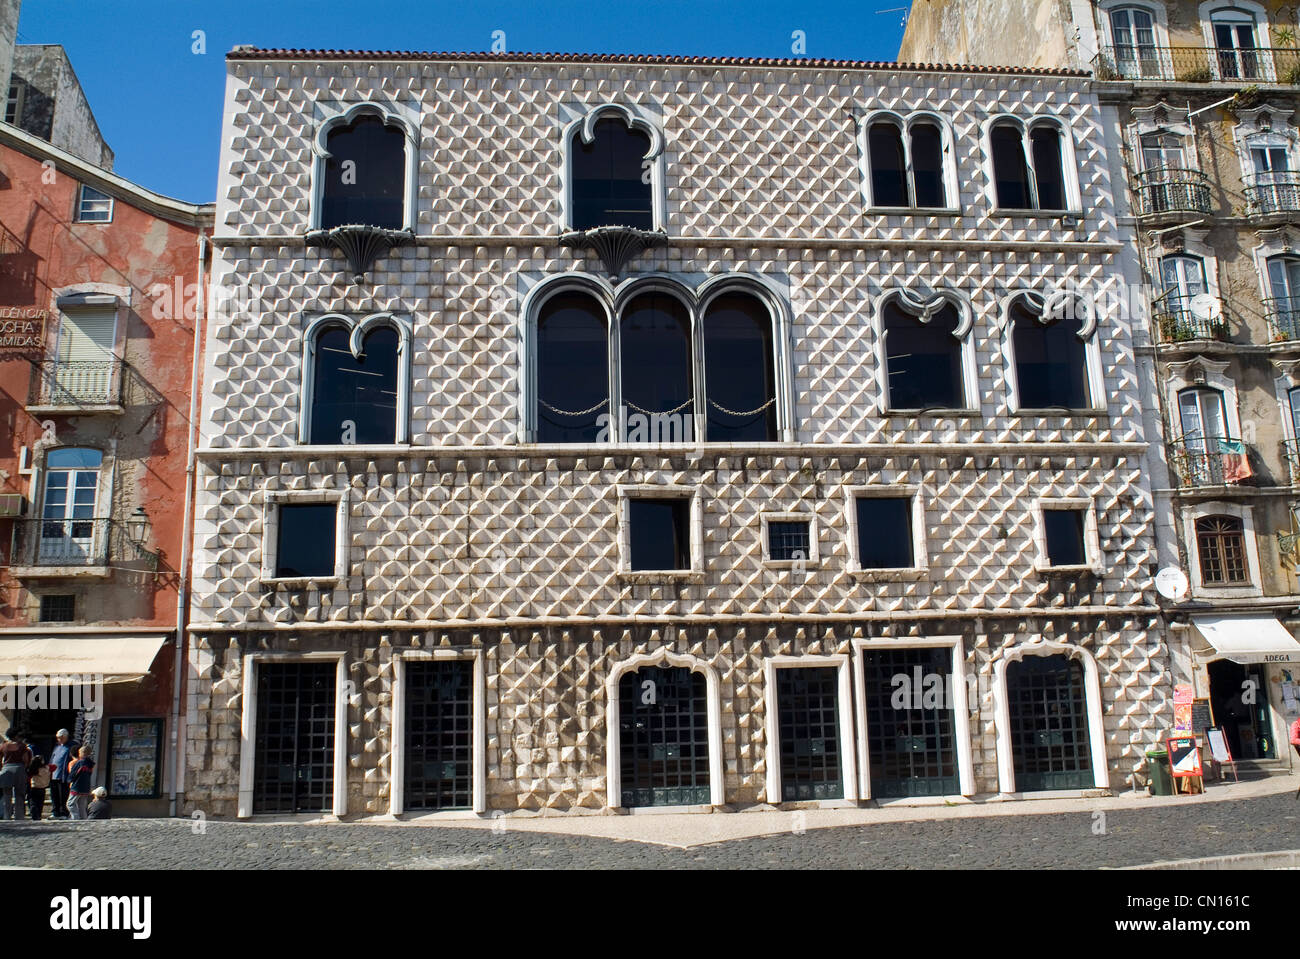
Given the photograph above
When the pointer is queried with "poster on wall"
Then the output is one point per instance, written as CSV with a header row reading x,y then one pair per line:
x,y
134,758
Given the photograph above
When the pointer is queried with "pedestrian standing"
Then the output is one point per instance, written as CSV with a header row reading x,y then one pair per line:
x,y
15,757
39,773
79,785
64,753
101,808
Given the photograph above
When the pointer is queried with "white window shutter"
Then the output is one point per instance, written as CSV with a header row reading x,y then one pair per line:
x,y
86,336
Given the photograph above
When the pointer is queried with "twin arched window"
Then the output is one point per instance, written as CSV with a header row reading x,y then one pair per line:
x,y
907,163
363,165
1051,360
610,176
1029,165
923,357
356,390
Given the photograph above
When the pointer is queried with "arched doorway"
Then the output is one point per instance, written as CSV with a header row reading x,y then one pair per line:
x,y
663,732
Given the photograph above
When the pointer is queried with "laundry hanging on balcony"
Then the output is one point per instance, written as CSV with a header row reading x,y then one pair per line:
x,y
1236,462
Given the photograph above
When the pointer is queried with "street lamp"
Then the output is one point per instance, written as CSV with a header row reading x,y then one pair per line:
x,y
137,526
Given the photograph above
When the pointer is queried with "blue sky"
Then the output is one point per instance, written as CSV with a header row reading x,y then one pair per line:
x,y
159,104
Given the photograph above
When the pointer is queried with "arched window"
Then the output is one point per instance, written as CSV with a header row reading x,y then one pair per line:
x,y
354,396
1133,31
1236,43
1029,165
907,164
1221,551
572,369
364,175
923,359
1051,359
655,360
888,165
610,182
739,372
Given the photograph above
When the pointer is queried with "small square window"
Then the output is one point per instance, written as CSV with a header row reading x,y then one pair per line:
x,y
659,534
885,532
94,206
305,544
1063,533
59,608
788,540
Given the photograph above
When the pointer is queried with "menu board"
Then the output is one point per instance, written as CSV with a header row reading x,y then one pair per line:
x,y
134,758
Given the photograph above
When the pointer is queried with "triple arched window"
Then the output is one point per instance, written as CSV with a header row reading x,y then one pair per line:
x,y
657,363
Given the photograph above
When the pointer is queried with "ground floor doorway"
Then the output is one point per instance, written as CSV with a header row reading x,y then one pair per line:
x,y
1239,701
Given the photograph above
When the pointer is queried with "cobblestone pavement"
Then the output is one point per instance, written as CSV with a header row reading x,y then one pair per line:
x,y
1038,841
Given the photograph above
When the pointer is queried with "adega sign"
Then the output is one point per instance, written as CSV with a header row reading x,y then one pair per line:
x,y
22,328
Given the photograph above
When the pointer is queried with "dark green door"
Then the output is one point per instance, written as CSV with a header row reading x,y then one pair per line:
x,y
1049,724
911,732
663,737
807,701
439,734
293,765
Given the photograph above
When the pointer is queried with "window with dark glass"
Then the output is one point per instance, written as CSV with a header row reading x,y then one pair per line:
x,y
1221,548
354,398
788,540
1010,172
903,178
927,165
1063,531
365,176
572,369
888,165
1051,361
739,378
304,544
885,532
923,360
58,608
1049,173
659,534
655,357
609,185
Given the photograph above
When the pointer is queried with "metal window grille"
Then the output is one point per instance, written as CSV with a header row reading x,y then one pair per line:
x,y
439,734
912,739
808,723
663,737
788,540
58,608
1049,724
294,756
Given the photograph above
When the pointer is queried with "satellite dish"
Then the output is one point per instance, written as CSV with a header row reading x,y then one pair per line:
x,y
1204,306
1171,583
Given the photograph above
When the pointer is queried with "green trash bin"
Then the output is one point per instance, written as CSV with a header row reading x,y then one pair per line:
x,y
1162,783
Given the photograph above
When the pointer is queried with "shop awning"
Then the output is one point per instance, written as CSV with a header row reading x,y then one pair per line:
x,y
1246,639
61,660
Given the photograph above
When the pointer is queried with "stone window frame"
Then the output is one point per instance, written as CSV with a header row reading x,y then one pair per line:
x,y
905,121
1094,559
1201,373
478,719
612,298
1175,122
1184,242
1254,585
924,305
1088,335
329,115
1069,164
1273,243
248,724
695,495
580,120
271,501
771,718
814,552
920,568
1250,129
1286,380
614,747
1205,12
360,327
1092,701
961,706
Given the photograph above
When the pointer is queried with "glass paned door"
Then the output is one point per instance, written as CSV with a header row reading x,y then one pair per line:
x,y
1234,39
1293,398
68,524
1271,177
1049,724
1182,278
1135,43
1201,416
663,737
1284,288
1161,154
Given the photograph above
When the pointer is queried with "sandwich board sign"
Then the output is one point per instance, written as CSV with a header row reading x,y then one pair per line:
x,y
1185,761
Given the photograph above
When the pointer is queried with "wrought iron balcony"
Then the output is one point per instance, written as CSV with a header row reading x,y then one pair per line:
x,y
1198,64
1171,190
57,384
1176,323
1281,194
43,546
1283,315
1291,456
1200,461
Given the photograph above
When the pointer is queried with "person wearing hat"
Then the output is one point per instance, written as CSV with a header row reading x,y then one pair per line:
x,y
100,807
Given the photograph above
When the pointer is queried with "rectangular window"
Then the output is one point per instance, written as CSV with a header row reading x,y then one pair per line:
x,y
885,532
787,540
14,103
659,534
305,540
1063,532
93,206
60,608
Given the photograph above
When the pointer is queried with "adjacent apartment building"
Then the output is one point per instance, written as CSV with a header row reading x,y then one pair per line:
x,y
582,433
1200,112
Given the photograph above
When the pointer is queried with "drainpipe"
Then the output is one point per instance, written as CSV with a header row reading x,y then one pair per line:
x,y
187,533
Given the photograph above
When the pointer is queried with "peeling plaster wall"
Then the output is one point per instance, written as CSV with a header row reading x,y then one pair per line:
x,y
55,106
1026,33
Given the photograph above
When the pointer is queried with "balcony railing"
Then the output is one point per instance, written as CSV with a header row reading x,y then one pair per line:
x,y
1283,315
1171,190
1210,461
1291,456
1281,194
1198,64
76,543
1176,323
74,385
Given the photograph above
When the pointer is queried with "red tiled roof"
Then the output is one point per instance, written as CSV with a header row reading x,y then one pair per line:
x,y
257,53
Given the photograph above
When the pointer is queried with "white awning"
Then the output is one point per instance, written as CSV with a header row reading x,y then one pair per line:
x,y
61,660
1246,639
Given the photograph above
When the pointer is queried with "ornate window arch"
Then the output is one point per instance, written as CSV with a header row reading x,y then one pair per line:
x,y
582,132
1030,164
1269,150
951,312
1197,519
345,338
1060,321
333,181
908,161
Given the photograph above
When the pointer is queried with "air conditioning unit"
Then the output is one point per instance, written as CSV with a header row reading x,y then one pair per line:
x,y
12,504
